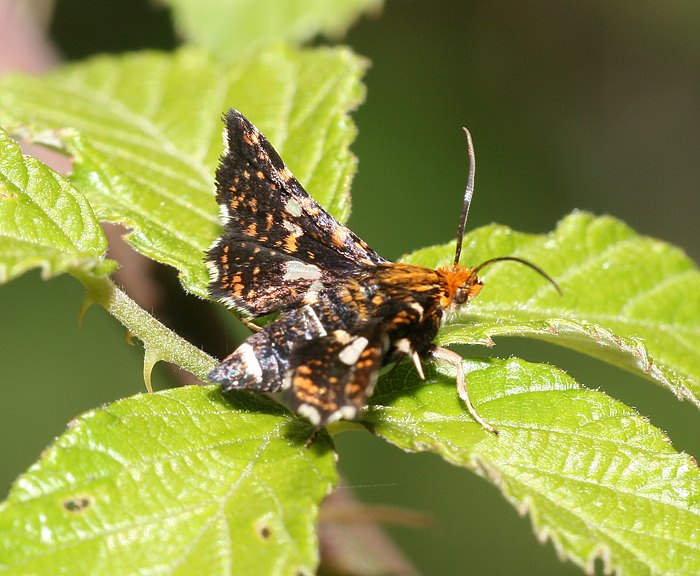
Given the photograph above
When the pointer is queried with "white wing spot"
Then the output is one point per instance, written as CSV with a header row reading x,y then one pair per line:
x,y
350,354
213,271
310,412
293,207
311,297
294,270
341,336
315,320
316,285
224,215
293,228
403,345
344,413
418,308
215,244
250,361
224,137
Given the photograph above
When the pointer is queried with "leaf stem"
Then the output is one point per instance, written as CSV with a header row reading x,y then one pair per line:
x,y
160,343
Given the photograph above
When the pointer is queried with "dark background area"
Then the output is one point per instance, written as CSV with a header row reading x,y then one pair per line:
x,y
589,106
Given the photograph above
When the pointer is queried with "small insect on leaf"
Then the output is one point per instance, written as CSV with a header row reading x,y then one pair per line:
x,y
344,311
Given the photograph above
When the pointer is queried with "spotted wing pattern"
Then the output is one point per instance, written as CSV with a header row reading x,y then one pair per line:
x,y
263,360
344,311
332,376
324,371
277,241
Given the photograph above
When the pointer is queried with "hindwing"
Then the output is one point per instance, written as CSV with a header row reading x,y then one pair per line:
x,y
332,376
326,363
263,360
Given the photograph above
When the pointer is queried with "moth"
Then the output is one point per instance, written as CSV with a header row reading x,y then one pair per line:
x,y
344,310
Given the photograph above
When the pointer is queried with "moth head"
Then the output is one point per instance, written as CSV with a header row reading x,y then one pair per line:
x,y
463,284
467,290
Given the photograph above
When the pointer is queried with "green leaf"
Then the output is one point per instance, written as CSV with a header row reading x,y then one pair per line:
x,y
146,135
231,28
596,478
44,221
182,481
629,300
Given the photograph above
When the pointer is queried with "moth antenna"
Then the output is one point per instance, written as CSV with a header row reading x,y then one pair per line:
x,y
521,261
468,193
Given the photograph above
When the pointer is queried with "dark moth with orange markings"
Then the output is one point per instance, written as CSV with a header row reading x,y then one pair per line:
x,y
344,311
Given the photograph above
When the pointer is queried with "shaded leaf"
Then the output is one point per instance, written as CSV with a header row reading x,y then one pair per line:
x,y
231,28
44,222
595,477
146,135
176,482
628,299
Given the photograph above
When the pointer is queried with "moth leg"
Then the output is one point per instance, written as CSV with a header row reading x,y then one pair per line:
x,y
310,440
250,325
417,364
403,346
456,360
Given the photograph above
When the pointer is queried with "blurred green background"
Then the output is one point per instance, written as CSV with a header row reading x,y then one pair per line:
x,y
588,105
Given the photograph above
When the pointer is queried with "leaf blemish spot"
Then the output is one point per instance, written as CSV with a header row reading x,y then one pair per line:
x,y
264,531
5,194
77,504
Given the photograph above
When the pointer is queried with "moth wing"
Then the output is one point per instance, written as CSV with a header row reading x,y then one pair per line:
x,y
256,280
332,376
277,239
264,359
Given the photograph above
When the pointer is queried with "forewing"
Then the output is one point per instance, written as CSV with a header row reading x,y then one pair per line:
x,y
256,280
332,376
277,240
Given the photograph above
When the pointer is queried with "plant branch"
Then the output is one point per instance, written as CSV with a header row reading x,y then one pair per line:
x,y
160,343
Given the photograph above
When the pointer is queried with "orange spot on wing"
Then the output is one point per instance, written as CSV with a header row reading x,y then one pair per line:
x,y
290,243
339,236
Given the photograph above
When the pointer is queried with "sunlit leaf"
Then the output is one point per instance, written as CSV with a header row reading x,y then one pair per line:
x,y
182,481
595,477
44,222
